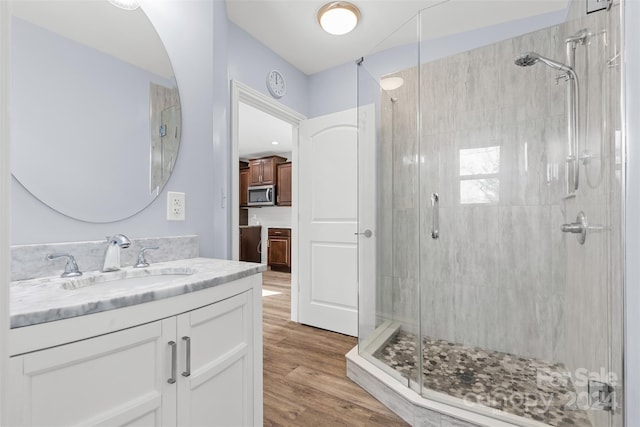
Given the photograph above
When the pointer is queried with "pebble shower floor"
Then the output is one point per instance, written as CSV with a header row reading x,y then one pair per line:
x,y
517,385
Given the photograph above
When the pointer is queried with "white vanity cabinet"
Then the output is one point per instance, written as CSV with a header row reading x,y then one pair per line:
x,y
114,379
196,368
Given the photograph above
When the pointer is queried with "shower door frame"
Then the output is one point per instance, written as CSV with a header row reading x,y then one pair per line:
x,y
5,200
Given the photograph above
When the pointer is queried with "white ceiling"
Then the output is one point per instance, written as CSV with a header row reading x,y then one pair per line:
x,y
257,131
290,27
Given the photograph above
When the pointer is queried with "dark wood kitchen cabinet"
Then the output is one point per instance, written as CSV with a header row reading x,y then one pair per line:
x,y
283,185
264,170
279,254
244,186
250,244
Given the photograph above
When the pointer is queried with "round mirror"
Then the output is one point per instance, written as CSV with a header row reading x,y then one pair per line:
x,y
95,108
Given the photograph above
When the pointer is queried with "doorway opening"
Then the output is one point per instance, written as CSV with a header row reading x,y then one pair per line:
x,y
264,183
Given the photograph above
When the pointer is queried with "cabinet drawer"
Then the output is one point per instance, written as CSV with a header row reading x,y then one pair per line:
x,y
280,232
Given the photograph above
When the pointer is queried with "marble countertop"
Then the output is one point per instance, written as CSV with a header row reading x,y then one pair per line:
x,y
44,300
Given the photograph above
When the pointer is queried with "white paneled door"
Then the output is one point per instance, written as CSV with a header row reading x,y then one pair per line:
x,y
328,222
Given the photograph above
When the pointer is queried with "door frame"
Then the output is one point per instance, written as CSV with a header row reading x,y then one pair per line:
x,y
5,200
240,92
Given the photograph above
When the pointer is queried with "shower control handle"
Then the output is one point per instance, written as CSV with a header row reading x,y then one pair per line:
x,y
435,224
573,227
579,227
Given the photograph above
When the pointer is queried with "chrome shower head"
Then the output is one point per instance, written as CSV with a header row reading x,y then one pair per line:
x,y
531,58
526,60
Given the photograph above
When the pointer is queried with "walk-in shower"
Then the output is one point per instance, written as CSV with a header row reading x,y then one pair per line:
x,y
484,308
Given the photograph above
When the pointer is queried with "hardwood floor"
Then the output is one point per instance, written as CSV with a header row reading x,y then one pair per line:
x,y
305,382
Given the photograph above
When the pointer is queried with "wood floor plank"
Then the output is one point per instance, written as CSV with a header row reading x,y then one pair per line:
x,y
305,382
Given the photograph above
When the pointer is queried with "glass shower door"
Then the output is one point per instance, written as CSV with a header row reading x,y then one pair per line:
x,y
389,293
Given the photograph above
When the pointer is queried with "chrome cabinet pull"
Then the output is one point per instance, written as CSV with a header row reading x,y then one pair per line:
x,y
435,225
188,371
174,356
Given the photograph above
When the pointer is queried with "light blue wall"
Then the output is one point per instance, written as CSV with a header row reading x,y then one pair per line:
x,y
336,89
186,28
220,161
632,235
250,61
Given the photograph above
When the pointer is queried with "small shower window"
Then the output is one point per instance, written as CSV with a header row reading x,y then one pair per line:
x,y
479,175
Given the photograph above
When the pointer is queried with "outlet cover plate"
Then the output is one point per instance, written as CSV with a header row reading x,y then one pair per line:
x,y
176,207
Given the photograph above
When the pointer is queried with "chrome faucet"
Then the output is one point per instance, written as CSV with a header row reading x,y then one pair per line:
x,y
71,268
142,261
112,254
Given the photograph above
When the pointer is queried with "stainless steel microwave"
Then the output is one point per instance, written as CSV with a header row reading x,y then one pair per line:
x,y
262,195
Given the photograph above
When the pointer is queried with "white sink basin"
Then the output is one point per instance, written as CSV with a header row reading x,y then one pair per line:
x,y
129,278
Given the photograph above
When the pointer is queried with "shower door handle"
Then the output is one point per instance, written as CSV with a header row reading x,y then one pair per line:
x,y
435,218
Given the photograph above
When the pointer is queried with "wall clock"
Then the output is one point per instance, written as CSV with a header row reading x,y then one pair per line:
x,y
276,84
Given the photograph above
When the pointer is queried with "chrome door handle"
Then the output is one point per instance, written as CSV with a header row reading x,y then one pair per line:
x,y
435,219
366,233
579,227
174,356
187,372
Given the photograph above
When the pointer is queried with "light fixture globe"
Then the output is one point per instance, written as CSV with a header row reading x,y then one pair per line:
x,y
338,17
391,83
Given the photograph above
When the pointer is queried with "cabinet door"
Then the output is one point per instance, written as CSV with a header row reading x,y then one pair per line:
x,y
216,388
114,379
268,171
255,172
244,185
279,252
284,184
250,244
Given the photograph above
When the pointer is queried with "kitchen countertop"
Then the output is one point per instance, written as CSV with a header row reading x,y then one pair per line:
x,y
44,300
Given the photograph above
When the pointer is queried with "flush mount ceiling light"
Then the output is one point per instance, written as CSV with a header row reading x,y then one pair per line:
x,y
338,17
391,83
275,142
125,4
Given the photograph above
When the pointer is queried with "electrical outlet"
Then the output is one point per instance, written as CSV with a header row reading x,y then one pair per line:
x,y
176,208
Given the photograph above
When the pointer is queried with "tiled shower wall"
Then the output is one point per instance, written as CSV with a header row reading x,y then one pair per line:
x,y
501,275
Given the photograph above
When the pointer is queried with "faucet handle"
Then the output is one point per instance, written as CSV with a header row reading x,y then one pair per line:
x,y
71,268
142,262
